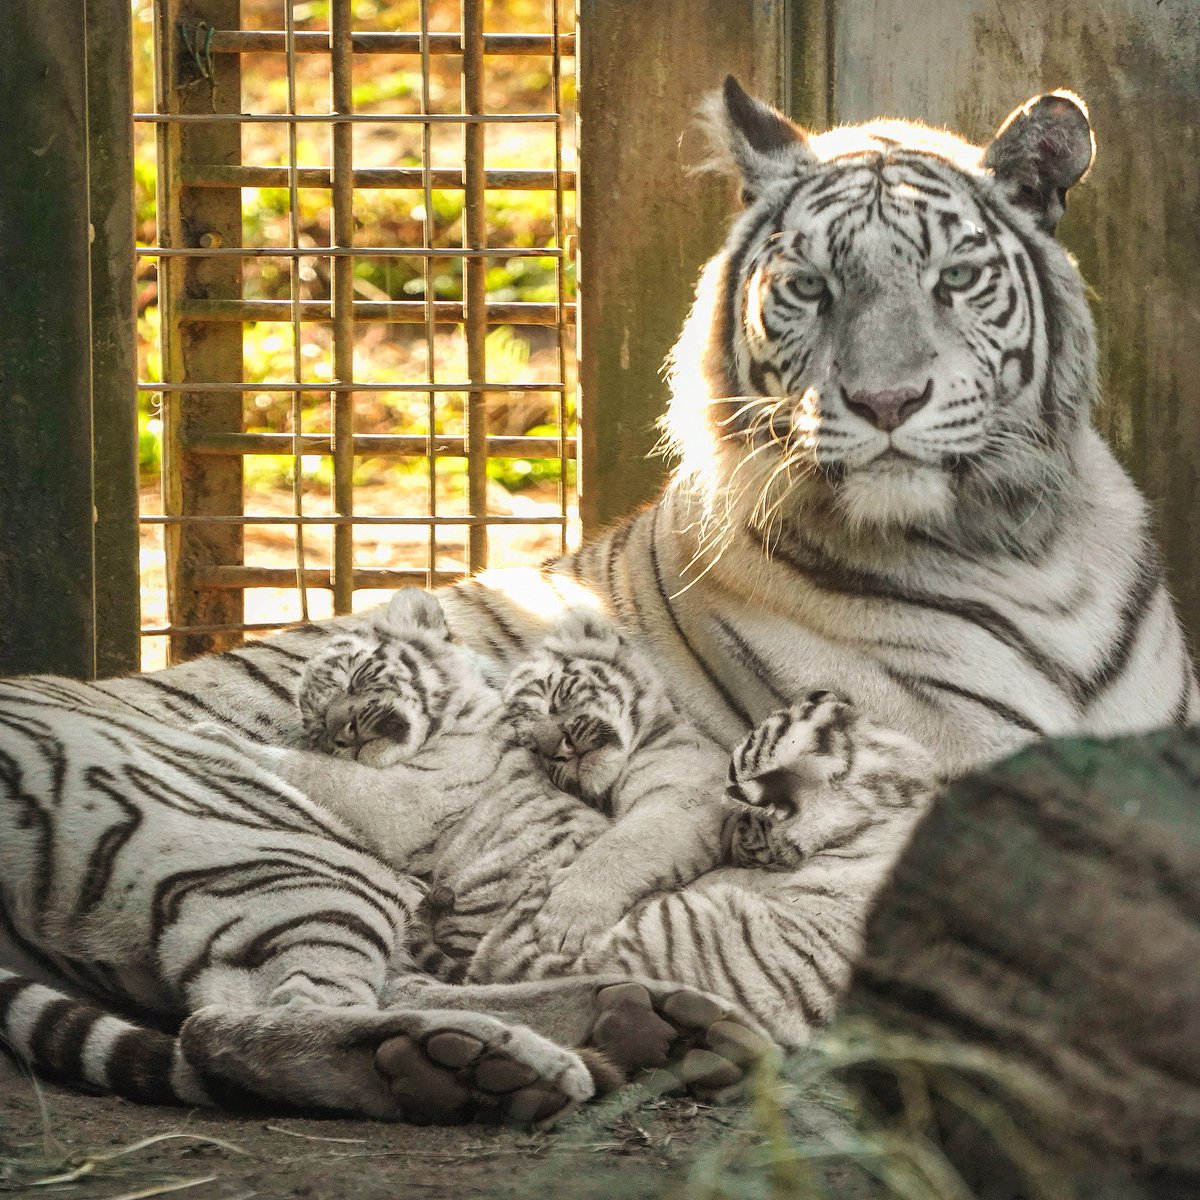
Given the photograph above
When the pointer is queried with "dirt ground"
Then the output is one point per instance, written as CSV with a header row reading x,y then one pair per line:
x,y
55,1142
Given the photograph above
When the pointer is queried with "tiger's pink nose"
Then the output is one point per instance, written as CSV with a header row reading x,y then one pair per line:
x,y
889,409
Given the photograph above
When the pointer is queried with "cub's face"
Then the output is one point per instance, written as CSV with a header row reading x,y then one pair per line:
x,y
398,688
576,704
575,721
368,701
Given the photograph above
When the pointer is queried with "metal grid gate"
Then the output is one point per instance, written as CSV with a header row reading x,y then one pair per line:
x,y
351,374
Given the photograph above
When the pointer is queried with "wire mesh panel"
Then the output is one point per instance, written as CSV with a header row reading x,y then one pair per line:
x,y
357,303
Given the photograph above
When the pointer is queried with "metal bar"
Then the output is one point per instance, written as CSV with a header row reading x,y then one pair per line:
x,y
297,410
109,48
241,627
372,118
47,595
396,311
293,386
345,519
315,577
341,252
428,232
370,445
213,353
559,280
445,179
474,231
229,41
341,98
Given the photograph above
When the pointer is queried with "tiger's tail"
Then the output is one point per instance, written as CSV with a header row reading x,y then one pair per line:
x,y
73,1042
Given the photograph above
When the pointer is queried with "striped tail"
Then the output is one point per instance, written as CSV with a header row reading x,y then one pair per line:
x,y
76,1043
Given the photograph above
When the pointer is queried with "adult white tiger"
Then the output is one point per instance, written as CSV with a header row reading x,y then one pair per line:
x,y
887,487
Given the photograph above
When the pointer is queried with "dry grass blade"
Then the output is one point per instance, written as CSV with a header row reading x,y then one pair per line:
x,y
94,1161
316,1137
163,1188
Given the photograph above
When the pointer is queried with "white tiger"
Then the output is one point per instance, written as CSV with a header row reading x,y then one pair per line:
x,y
887,487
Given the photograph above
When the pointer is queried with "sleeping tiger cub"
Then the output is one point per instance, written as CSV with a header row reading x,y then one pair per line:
x,y
584,715
825,803
816,807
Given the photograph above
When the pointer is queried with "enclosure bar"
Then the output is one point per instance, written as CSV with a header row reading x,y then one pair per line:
x,y
559,275
271,519
244,118
172,631
428,233
109,47
195,486
297,410
444,179
342,306
316,577
474,227
293,386
229,41
396,311
341,252
368,445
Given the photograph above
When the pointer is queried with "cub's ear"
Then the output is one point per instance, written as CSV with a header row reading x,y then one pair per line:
x,y
411,609
1042,149
583,624
751,138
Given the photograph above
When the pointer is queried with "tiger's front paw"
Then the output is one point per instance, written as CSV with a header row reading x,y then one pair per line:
x,y
575,914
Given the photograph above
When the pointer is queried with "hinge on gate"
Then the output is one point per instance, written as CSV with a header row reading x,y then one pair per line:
x,y
197,38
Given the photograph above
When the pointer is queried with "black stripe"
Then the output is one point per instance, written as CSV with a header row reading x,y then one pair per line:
x,y
829,575
56,1041
107,846
1138,602
1181,711
733,706
743,652
139,1066
255,672
187,698
1002,710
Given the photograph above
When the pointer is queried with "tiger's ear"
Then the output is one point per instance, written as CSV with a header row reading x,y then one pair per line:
x,y
753,139
411,609
1042,149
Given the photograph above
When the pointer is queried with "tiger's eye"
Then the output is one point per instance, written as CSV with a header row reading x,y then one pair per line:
x,y
809,285
958,277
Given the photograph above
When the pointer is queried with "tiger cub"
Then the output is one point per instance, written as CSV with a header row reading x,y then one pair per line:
x,y
527,865
823,802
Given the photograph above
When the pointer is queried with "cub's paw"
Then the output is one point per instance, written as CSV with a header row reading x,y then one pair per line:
x,y
576,912
674,1039
795,748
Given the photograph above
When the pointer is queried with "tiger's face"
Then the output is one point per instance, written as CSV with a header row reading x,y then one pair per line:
x,y
385,695
884,316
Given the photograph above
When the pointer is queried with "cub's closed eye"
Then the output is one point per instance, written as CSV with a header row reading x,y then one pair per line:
x,y
958,277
